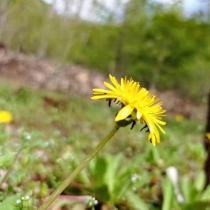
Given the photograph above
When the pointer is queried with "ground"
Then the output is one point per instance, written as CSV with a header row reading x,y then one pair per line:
x,y
54,131
39,73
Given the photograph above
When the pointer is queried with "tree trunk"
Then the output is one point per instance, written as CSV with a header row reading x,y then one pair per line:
x,y
207,147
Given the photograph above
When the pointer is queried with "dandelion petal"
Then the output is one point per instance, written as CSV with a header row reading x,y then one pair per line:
x,y
124,113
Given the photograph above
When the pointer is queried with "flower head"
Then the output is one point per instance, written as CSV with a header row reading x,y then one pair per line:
x,y
138,105
5,117
208,135
179,117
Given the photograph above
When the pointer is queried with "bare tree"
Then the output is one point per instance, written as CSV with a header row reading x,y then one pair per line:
x,y
207,146
46,30
4,5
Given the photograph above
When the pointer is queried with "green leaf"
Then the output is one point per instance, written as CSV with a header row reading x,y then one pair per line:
x,y
5,160
112,169
136,202
188,188
206,194
200,181
9,203
197,205
98,171
167,195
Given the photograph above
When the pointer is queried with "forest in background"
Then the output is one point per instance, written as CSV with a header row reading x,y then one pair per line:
x,y
48,126
159,46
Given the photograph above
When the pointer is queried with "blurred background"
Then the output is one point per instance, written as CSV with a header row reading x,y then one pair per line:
x,y
53,52
162,43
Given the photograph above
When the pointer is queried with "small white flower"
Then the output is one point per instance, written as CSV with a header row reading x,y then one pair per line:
x,y
27,197
18,201
27,136
134,178
172,173
92,202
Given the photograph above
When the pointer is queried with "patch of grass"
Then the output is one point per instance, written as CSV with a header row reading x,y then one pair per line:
x,y
57,131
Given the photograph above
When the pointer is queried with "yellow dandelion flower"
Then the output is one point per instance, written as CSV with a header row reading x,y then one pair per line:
x,y
179,118
5,117
208,135
138,105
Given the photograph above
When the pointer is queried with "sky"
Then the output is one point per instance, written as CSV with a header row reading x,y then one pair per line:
x,y
189,6
194,5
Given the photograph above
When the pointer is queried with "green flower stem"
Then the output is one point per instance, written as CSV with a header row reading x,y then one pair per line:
x,y
77,170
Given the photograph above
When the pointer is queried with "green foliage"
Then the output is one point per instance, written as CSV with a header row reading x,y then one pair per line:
x,y
16,202
161,48
109,181
192,191
168,195
9,203
131,176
